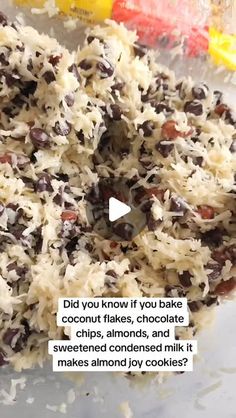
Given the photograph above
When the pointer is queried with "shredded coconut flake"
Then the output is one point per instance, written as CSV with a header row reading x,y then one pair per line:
x,y
126,410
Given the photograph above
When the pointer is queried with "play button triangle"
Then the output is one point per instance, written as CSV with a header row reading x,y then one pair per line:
x,y
117,209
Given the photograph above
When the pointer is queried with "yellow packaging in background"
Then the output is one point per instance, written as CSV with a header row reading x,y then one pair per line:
x,y
89,11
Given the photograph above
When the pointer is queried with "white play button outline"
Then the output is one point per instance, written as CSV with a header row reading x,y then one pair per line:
x,y
117,209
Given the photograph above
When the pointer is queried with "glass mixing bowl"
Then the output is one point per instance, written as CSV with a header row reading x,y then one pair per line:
x,y
208,391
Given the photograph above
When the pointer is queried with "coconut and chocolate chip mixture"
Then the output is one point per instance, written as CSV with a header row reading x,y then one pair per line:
x,y
107,110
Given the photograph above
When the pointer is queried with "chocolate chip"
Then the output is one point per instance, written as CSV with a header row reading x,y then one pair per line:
x,y
185,279
62,128
70,99
124,152
9,334
86,228
26,326
49,77
90,39
112,273
13,206
177,205
55,59
199,92
170,291
116,112
63,177
33,158
80,136
132,181
21,341
179,85
154,178
106,70
147,128
30,65
11,79
161,107
140,194
14,212
69,231
103,143
74,70
3,59
28,182
29,88
146,206
59,198
33,101
124,230
94,196
12,266
44,183
197,160
20,47
213,237
216,270
3,19
164,149
202,286
139,50
146,97
230,117
71,245
117,86
194,306
19,101
88,247
211,301
194,107
13,25
85,65
2,208
195,139
152,223
9,111
107,191
233,147
21,271
3,360
218,96
17,231
39,138
181,90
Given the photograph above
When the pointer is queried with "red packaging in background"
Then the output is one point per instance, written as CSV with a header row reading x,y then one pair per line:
x,y
157,23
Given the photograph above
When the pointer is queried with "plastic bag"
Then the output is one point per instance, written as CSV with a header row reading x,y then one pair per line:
x,y
199,27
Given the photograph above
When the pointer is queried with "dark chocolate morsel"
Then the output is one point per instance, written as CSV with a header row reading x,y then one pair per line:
x,y
194,107
185,279
124,230
39,138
